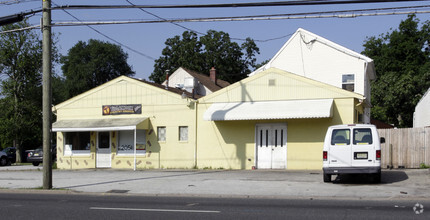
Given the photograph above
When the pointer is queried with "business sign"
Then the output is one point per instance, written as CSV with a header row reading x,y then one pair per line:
x,y
121,109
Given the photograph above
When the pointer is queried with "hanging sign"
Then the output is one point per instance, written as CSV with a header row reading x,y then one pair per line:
x,y
121,109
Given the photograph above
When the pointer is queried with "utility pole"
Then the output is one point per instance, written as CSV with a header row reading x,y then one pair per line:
x,y
46,90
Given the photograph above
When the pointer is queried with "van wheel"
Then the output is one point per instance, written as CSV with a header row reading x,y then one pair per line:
x,y
36,164
327,178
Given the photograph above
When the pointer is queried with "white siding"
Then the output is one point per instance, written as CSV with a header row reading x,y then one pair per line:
x,y
422,111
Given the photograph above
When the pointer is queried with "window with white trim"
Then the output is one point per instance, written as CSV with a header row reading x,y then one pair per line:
x,y
77,142
161,133
183,133
348,82
126,142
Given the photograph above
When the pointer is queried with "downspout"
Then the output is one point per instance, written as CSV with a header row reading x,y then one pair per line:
x,y
195,138
135,149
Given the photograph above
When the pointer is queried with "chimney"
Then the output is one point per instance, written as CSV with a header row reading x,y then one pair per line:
x,y
167,79
212,74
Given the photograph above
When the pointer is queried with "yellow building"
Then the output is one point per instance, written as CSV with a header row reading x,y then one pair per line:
x,y
126,123
272,120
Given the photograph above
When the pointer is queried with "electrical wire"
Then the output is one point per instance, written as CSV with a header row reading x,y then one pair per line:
x,y
181,26
200,33
12,2
236,5
320,14
110,38
20,29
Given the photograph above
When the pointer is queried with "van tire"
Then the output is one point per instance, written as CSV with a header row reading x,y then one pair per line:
x,y
327,178
36,164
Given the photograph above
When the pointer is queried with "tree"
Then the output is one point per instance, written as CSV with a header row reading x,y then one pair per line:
x,y
20,64
402,64
215,49
91,64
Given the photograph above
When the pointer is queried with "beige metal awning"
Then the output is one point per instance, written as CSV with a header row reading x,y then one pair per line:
x,y
106,124
292,109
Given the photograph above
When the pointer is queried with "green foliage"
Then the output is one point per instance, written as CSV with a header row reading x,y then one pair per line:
x,y
91,64
215,49
402,64
424,166
20,68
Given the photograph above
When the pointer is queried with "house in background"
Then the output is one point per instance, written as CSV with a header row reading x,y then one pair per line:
x,y
422,111
312,56
196,83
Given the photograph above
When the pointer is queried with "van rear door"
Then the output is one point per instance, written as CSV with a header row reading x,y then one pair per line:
x,y
363,148
340,148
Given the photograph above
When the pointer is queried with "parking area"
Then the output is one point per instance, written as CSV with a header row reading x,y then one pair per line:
x,y
225,183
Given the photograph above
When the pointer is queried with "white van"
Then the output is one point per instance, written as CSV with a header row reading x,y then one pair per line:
x,y
352,149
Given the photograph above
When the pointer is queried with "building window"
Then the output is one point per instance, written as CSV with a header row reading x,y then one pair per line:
x,y
348,82
126,141
161,133
77,142
183,133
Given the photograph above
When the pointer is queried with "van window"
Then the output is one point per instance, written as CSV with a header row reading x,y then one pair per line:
x,y
363,136
340,137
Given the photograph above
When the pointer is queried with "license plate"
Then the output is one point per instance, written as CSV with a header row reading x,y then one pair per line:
x,y
360,155
36,154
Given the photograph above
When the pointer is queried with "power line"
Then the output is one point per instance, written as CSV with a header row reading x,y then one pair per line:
x,y
305,15
106,36
181,26
198,32
236,5
20,29
11,2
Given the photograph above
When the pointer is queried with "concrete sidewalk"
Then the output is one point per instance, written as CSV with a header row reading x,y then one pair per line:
x,y
226,183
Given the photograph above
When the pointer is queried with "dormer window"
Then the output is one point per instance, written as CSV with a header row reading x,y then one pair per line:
x,y
348,82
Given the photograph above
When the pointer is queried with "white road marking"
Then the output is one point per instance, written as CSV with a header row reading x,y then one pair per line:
x,y
155,210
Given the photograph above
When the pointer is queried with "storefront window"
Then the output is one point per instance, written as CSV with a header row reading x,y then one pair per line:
x,y
77,142
126,142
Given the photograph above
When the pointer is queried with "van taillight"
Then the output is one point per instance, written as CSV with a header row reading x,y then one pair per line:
x,y
378,154
324,155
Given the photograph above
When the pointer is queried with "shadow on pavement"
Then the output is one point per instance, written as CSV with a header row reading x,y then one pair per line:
x,y
387,177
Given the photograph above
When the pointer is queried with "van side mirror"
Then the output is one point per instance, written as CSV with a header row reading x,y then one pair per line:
x,y
382,141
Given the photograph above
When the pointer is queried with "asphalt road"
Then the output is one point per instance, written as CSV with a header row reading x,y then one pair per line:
x,y
63,205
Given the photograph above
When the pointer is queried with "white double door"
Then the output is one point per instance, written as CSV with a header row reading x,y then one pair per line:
x,y
103,155
271,144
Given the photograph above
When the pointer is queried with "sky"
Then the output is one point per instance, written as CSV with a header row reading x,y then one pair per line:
x,y
149,39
